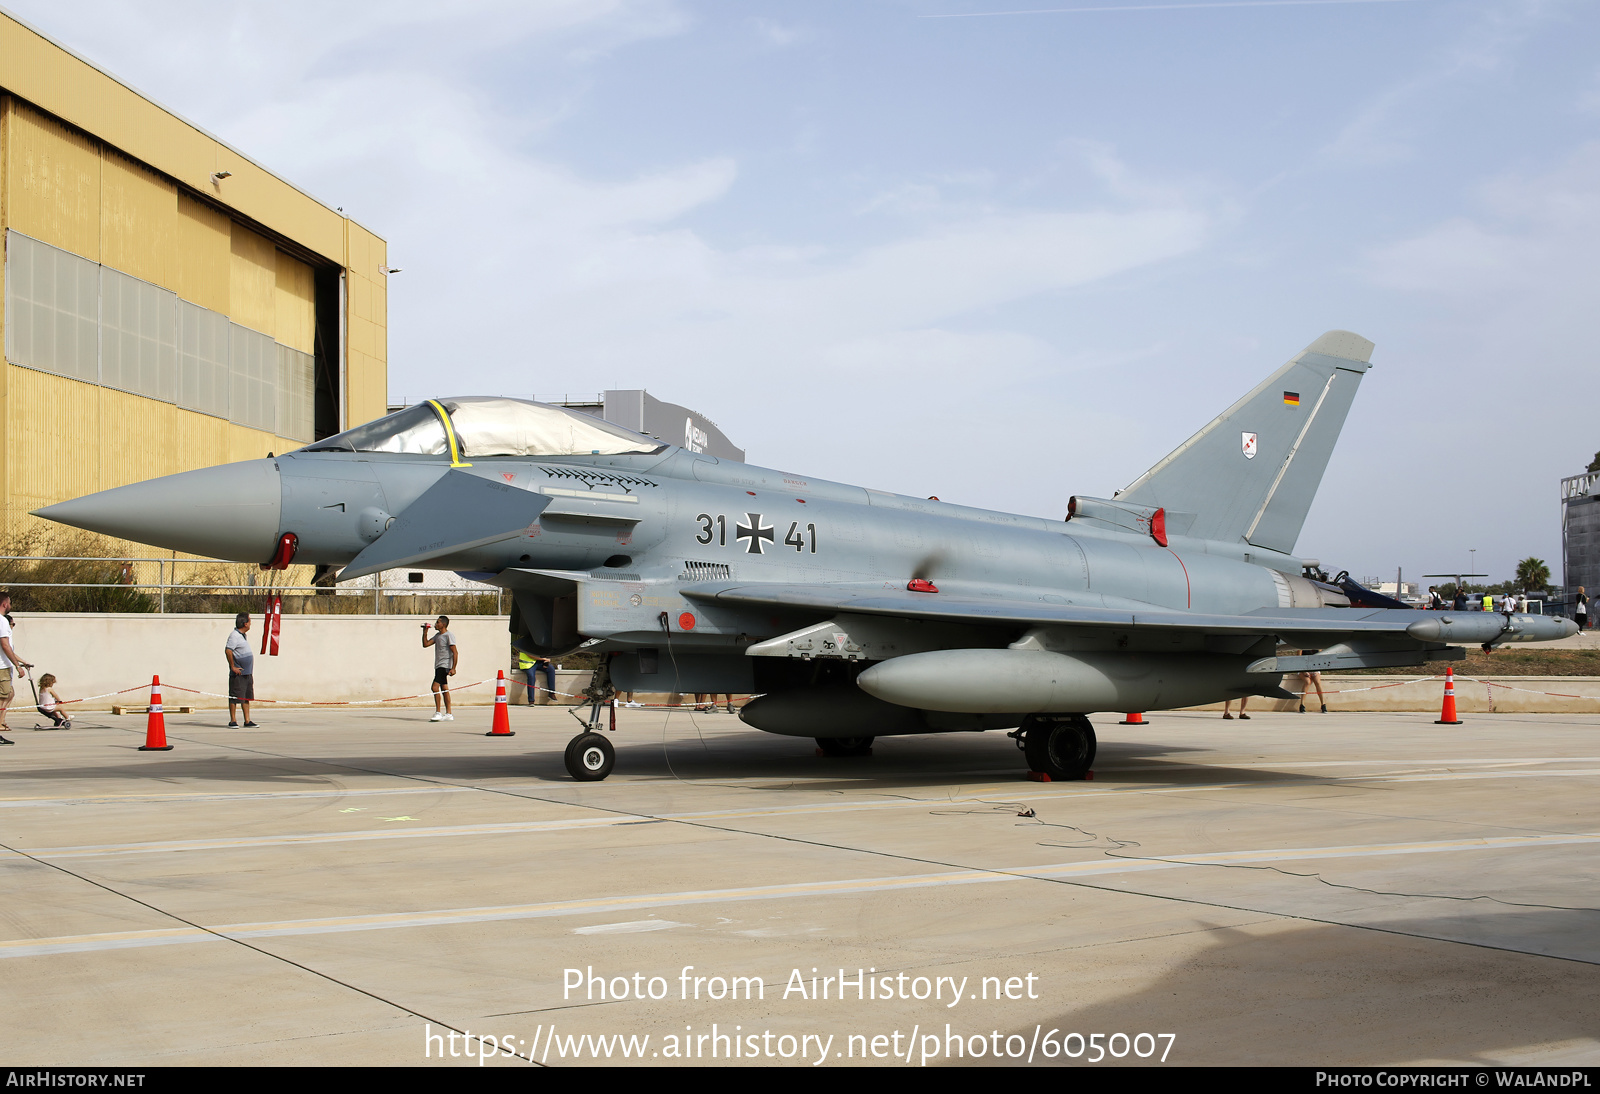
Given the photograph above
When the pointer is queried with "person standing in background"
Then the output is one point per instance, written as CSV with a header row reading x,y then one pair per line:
x,y
241,671
10,664
1309,680
445,655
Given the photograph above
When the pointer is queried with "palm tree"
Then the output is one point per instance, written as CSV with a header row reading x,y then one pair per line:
x,y
1533,575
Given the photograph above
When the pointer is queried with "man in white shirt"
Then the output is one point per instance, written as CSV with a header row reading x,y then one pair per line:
x,y
9,663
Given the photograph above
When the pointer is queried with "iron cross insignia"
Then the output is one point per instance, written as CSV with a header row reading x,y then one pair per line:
x,y
755,532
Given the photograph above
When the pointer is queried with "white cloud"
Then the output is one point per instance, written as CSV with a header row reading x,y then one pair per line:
x,y
1532,243
781,35
1491,389
523,273
223,55
1386,127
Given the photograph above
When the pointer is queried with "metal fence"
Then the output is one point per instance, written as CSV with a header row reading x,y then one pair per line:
x,y
136,584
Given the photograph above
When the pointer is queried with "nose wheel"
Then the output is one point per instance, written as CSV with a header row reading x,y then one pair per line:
x,y
589,757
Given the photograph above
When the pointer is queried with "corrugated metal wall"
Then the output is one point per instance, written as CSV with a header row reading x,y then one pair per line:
x,y
52,183
65,438
138,219
295,316
36,70
203,255
44,413
367,335
252,280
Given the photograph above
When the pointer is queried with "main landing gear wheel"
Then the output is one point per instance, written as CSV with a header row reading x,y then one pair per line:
x,y
1060,745
589,757
846,746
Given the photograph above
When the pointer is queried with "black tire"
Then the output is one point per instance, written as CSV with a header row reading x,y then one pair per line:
x,y
589,757
1060,745
846,746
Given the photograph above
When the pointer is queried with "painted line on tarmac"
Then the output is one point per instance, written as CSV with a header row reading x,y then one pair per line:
x,y
973,797
122,940
1374,762
259,795
511,827
306,838
1448,776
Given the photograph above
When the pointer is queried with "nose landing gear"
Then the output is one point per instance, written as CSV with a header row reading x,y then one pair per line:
x,y
589,756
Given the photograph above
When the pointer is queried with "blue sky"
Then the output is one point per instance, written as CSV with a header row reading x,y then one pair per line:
x,y
997,258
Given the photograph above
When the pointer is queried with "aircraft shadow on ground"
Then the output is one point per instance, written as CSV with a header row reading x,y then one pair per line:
x,y
896,762
1335,995
915,760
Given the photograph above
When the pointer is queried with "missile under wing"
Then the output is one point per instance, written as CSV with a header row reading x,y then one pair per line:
x,y
850,613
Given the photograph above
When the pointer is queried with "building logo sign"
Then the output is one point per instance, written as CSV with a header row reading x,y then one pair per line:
x,y
694,438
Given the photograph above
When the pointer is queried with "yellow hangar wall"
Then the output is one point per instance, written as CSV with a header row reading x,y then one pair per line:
x,y
91,168
65,437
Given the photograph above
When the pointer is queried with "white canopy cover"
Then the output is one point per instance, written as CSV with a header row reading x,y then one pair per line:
x,y
488,425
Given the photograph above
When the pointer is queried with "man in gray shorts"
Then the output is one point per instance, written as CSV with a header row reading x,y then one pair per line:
x,y
445,656
241,671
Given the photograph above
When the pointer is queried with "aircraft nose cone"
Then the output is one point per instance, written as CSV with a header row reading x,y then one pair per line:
x,y
229,512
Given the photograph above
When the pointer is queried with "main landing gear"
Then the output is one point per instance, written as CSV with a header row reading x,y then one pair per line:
x,y
1059,745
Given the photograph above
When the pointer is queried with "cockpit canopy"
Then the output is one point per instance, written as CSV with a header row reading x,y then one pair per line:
x,y
486,425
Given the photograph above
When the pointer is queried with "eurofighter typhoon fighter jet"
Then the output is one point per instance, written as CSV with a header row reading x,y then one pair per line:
x,y
851,613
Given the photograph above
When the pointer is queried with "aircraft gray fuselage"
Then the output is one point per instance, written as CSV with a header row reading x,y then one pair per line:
x,y
851,612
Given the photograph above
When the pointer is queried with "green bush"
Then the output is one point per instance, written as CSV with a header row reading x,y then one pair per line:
x,y
80,570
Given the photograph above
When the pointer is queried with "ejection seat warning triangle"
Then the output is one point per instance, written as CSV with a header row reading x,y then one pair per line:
x,y
459,512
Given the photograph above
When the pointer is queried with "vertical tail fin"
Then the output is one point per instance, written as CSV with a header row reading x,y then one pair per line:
x,y
1251,473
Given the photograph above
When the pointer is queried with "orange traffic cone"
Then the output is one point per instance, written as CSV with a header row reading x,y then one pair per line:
x,y
502,717
155,730
1447,716
1136,719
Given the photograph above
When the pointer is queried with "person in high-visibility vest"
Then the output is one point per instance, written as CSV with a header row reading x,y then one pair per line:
x,y
521,678
548,694
1488,602
528,667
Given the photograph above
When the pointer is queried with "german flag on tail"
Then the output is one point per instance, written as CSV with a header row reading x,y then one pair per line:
x,y
1291,398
